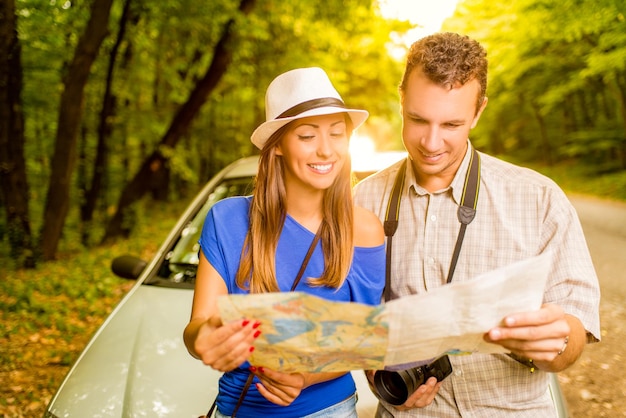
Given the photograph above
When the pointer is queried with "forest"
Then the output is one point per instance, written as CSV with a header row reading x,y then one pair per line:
x,y
105,103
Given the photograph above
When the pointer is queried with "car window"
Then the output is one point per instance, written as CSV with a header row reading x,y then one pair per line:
x,y
181,262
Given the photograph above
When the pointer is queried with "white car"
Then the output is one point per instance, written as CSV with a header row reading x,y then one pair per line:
x,y
136,364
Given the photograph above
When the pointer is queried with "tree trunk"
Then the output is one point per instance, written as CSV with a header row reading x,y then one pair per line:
x,y
70,115
93,191
13,180
119,225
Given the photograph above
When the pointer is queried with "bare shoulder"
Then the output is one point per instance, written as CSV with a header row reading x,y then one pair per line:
x,y
368,231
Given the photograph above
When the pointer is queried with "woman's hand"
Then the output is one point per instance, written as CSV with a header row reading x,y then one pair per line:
x,y
221,346
225,347
283,388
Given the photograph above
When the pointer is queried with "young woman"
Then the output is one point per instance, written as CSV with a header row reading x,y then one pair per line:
x,y
259,243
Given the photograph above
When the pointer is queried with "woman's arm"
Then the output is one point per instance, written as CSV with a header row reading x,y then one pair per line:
x,y
368,230
221,346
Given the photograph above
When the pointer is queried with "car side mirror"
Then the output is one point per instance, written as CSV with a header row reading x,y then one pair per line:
x,y
128,266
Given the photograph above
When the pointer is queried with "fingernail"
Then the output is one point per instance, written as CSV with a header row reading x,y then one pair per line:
x,y
256,334
245,322
261,370
256,324
252,369
251,349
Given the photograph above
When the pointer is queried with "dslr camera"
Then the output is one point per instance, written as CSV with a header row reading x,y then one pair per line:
x,y
396,386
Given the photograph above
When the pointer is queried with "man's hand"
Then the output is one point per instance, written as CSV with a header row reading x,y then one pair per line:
x,y
423,396
548,336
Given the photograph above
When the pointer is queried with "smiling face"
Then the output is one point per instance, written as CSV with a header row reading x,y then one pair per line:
x,y
436,121
314,150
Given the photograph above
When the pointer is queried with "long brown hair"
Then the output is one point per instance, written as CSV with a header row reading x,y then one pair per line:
x,y
257,268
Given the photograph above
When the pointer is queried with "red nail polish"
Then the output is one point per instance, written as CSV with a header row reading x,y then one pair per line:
x,y
256,334
251,349
261,370
256,324
252,369
245,322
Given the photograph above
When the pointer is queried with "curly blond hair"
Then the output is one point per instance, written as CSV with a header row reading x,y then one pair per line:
x,y
449,60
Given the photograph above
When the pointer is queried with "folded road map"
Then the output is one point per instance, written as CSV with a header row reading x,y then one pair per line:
x,y
305,333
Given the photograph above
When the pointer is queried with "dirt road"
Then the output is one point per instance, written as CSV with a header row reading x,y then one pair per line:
x,y
596,385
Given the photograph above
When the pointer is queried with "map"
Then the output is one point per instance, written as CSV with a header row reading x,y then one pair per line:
x,y
304,333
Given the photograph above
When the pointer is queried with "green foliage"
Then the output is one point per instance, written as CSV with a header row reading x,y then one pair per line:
x,y
168,46
585,142
557,84
47,315
65,293
581,179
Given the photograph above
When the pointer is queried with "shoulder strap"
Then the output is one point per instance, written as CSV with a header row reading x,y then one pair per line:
x,y
306,259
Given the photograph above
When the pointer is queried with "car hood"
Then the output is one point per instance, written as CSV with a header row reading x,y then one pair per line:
x,y
137,364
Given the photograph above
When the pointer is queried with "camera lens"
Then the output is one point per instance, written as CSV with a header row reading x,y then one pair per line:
x,y
395,387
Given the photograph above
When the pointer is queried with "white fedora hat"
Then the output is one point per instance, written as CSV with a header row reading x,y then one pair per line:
x,y
298,94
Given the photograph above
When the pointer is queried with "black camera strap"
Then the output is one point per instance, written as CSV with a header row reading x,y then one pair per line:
x,y
391,225
465,213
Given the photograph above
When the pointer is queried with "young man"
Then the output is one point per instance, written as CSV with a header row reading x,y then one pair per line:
x,y
519,214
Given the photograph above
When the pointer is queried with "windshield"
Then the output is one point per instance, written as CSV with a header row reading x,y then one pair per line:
x,y
182,261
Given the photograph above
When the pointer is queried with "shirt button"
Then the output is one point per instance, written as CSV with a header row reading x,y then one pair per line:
x,y
433,218
458,372
431,260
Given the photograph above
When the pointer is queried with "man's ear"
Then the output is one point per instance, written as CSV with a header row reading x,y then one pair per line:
x,y
480,112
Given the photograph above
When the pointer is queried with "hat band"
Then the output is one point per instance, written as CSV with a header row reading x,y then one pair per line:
x,y
309,105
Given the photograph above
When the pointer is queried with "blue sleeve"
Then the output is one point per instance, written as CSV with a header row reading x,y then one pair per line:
x,y
367,279
223,234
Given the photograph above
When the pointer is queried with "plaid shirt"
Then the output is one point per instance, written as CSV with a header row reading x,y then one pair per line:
x,y
519,214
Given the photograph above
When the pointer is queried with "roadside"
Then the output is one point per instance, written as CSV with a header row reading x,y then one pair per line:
x,y
596,385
